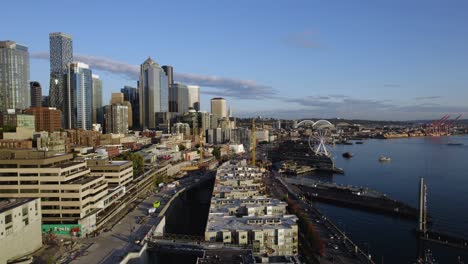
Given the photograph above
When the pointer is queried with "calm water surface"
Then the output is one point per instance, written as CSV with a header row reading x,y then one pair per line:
x,y
445,169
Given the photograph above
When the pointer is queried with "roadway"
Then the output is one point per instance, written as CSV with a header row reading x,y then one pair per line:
x,y
113,244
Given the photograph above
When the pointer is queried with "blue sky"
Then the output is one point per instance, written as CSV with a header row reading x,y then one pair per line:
x,y
370,59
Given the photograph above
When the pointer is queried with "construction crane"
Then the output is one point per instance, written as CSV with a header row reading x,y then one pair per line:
x,y
254,143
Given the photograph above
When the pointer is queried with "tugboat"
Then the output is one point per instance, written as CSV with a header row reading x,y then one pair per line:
x,y
348,155
384,159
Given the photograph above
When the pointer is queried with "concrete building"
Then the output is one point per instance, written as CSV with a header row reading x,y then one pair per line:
x,y
20,228
46,118
97,115
79,96
35,94
16,125
115,172
51,141
194,97
116,119
15,143
218,107
119,99
61,55
131,95
67,191
14,76
241,215
153,90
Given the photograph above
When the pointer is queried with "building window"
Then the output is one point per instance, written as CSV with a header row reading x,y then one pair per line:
x,y
26,221
8,219
25,211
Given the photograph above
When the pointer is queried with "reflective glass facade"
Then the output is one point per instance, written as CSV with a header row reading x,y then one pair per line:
x,y
79,96
61,55
154,93
96,110
131,95
14,76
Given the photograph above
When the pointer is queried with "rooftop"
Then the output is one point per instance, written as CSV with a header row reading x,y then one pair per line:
x,y
8,204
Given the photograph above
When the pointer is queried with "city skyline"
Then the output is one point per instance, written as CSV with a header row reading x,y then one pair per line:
x,y
396,61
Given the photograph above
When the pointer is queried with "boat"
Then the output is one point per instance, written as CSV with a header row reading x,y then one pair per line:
x,y
348,155
454,144
348,143
383,158
359,142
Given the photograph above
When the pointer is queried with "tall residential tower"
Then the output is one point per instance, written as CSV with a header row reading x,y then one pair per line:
x,y
79,96
36,94
61,55
218,107
14,76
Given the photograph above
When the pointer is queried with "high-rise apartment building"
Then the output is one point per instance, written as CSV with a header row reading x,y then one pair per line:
x,y
46,118
36,94
116,119
79,96
96,110
194,97
218,107
131,95
14,76
61,55
153,89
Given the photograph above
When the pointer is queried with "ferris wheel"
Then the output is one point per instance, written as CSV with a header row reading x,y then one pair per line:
x,y
320,137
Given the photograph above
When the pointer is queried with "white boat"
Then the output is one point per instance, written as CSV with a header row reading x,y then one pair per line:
x,y
383,158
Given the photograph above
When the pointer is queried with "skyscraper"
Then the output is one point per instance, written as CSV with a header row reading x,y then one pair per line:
x,y
61,55
194,97
153,87
182,97
36,94
14,76
173,107
96,110
132,96
116,119
218,107
169,73
79,93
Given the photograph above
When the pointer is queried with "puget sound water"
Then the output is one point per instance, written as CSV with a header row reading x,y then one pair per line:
x,y
389,239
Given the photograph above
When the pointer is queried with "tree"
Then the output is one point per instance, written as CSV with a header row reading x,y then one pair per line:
x,y
217,152
181,147
136,159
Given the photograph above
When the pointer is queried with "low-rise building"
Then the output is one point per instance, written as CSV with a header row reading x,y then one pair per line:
x,y
241,215
20,228
67,191
115,172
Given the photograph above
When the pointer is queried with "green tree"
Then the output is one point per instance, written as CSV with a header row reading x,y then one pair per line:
x,y
217,152
181,147
136,159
